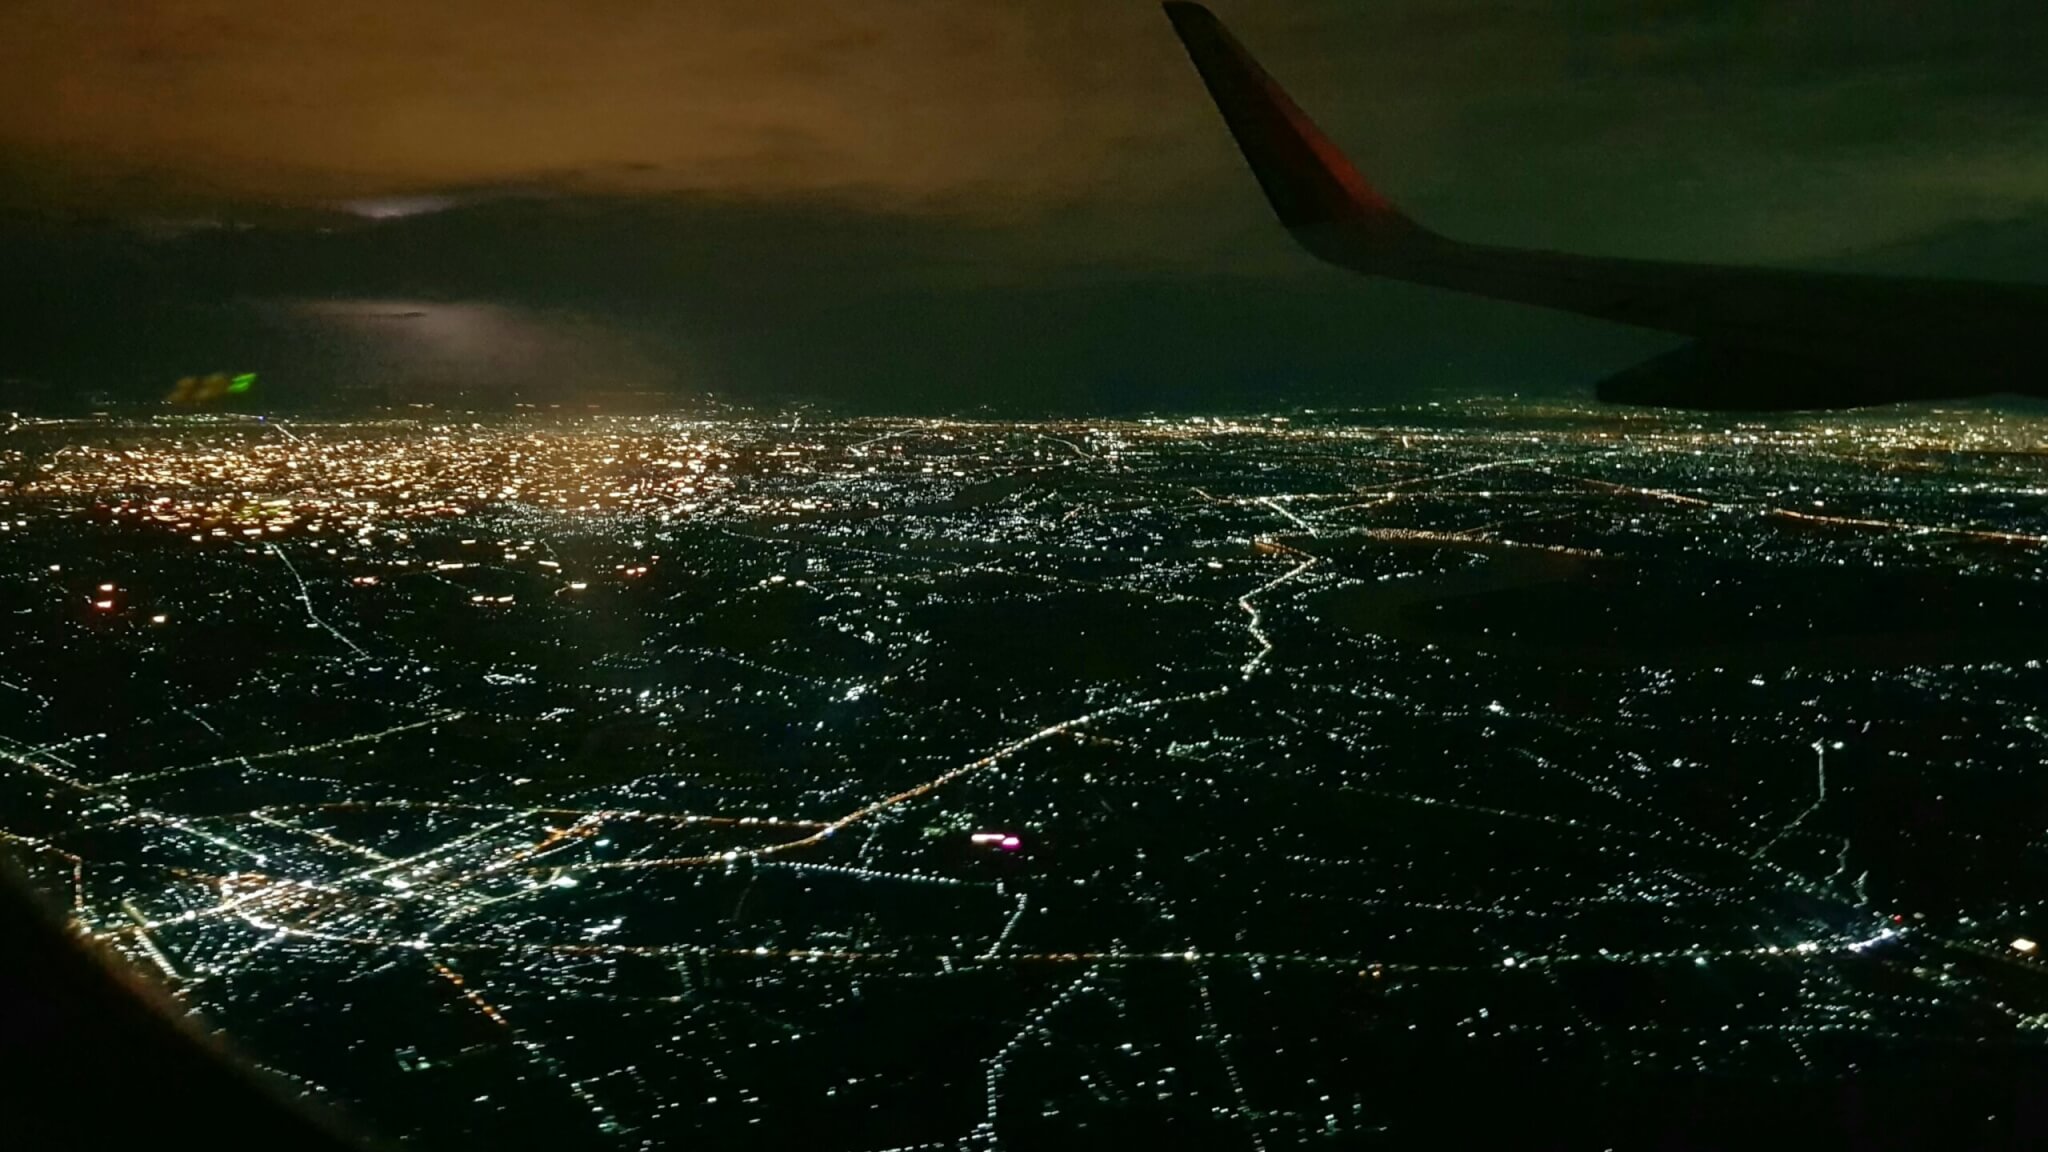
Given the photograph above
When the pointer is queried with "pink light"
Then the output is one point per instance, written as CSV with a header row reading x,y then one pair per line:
x,y
1011,844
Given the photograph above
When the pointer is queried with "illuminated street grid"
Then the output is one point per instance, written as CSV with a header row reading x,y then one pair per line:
x,y
529,779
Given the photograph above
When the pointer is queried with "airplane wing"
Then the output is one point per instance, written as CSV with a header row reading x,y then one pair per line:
x,y
79,1027
1765,338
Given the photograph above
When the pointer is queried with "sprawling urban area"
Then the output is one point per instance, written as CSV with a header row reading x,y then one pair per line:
x,y
788,780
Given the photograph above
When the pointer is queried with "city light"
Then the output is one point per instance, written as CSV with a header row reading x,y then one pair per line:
x,y
671,775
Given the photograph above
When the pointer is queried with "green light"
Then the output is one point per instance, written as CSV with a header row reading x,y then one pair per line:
x,y
242,383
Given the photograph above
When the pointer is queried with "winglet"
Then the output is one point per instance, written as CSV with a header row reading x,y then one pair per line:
x,y
1306,178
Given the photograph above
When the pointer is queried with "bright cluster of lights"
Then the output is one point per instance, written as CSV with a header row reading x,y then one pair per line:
x,y
690,771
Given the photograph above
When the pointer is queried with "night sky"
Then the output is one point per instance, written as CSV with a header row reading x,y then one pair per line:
x,y
943,206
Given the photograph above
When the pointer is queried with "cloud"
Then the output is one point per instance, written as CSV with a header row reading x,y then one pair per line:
x,y
938,204
1669,127
562,300
548,301
889,101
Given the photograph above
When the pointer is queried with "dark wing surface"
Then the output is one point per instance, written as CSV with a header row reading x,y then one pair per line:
x,y
1765,338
